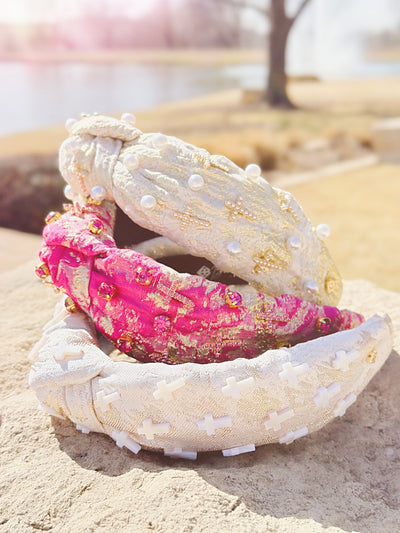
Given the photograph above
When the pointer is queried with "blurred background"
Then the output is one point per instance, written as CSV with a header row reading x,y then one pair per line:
x,y
307,89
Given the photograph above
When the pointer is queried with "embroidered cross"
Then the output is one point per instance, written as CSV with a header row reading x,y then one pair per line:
x,y
290,372
123,439
343,359
293,435
343,405
276,418
210,424
234,388
148,429
164,390
324,394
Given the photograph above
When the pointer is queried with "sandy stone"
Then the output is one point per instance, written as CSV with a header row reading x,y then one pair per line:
x,y
344,478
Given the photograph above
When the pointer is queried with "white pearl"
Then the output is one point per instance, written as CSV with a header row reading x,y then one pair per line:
x,y
69,124
234,247
128,117
196,182
295,242
148,202
312,286
323,231
98,193
68,192
253,171
159,141
131,161
84,115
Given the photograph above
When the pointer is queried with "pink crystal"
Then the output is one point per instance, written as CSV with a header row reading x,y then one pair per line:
x,y
125,343
143,276
233,299
161,323
106,290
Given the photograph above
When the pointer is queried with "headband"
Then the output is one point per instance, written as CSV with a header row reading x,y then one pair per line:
x,y
157,314
233,406
204,204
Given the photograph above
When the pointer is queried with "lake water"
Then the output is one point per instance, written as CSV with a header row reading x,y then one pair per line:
x,y
38,95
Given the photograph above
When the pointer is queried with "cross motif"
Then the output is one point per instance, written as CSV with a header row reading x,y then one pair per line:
x,y
343,359
82,429
209,160
343,405
167,292
293,435
178,452
148,429
164,391
271,260
60,355
324,394
236,209
290,372
284,204
105,399
276,418
123,439
187,217
234,388
49,410
230,452
210,424
220,343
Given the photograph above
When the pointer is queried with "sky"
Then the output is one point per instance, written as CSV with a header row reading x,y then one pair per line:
x,y
360,14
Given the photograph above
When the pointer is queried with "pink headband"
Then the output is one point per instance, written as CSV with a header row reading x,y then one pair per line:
x,y
156,314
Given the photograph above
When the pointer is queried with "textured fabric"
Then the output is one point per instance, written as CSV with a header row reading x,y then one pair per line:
x,y
232,406
205,204
156,314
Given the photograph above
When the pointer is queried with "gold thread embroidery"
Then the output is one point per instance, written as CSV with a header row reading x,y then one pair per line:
x,y
236,209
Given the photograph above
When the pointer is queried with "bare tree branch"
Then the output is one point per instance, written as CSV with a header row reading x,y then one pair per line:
x,y
299,10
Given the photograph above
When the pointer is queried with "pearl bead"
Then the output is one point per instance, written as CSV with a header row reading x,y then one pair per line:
x,y
234,247
131,161
69,124
128,117
98,193
196,182
68,192
323,231
253,171
148,202
295,242
312,286
159,141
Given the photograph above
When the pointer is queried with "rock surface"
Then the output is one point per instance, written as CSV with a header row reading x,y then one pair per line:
x,y
346,477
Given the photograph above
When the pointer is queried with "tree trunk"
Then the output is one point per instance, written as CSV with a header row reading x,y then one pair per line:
x,y
276,94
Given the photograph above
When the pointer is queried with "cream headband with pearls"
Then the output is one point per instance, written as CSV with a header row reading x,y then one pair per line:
x,y
233,406
203,204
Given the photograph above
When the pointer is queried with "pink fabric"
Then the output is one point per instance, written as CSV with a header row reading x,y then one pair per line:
x,y
171,317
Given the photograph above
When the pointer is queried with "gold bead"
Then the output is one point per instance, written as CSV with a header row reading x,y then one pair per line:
x,y
42,271
371,357
70,305
52,217
95,226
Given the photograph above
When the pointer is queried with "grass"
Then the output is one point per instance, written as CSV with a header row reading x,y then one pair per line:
x,y
362,209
